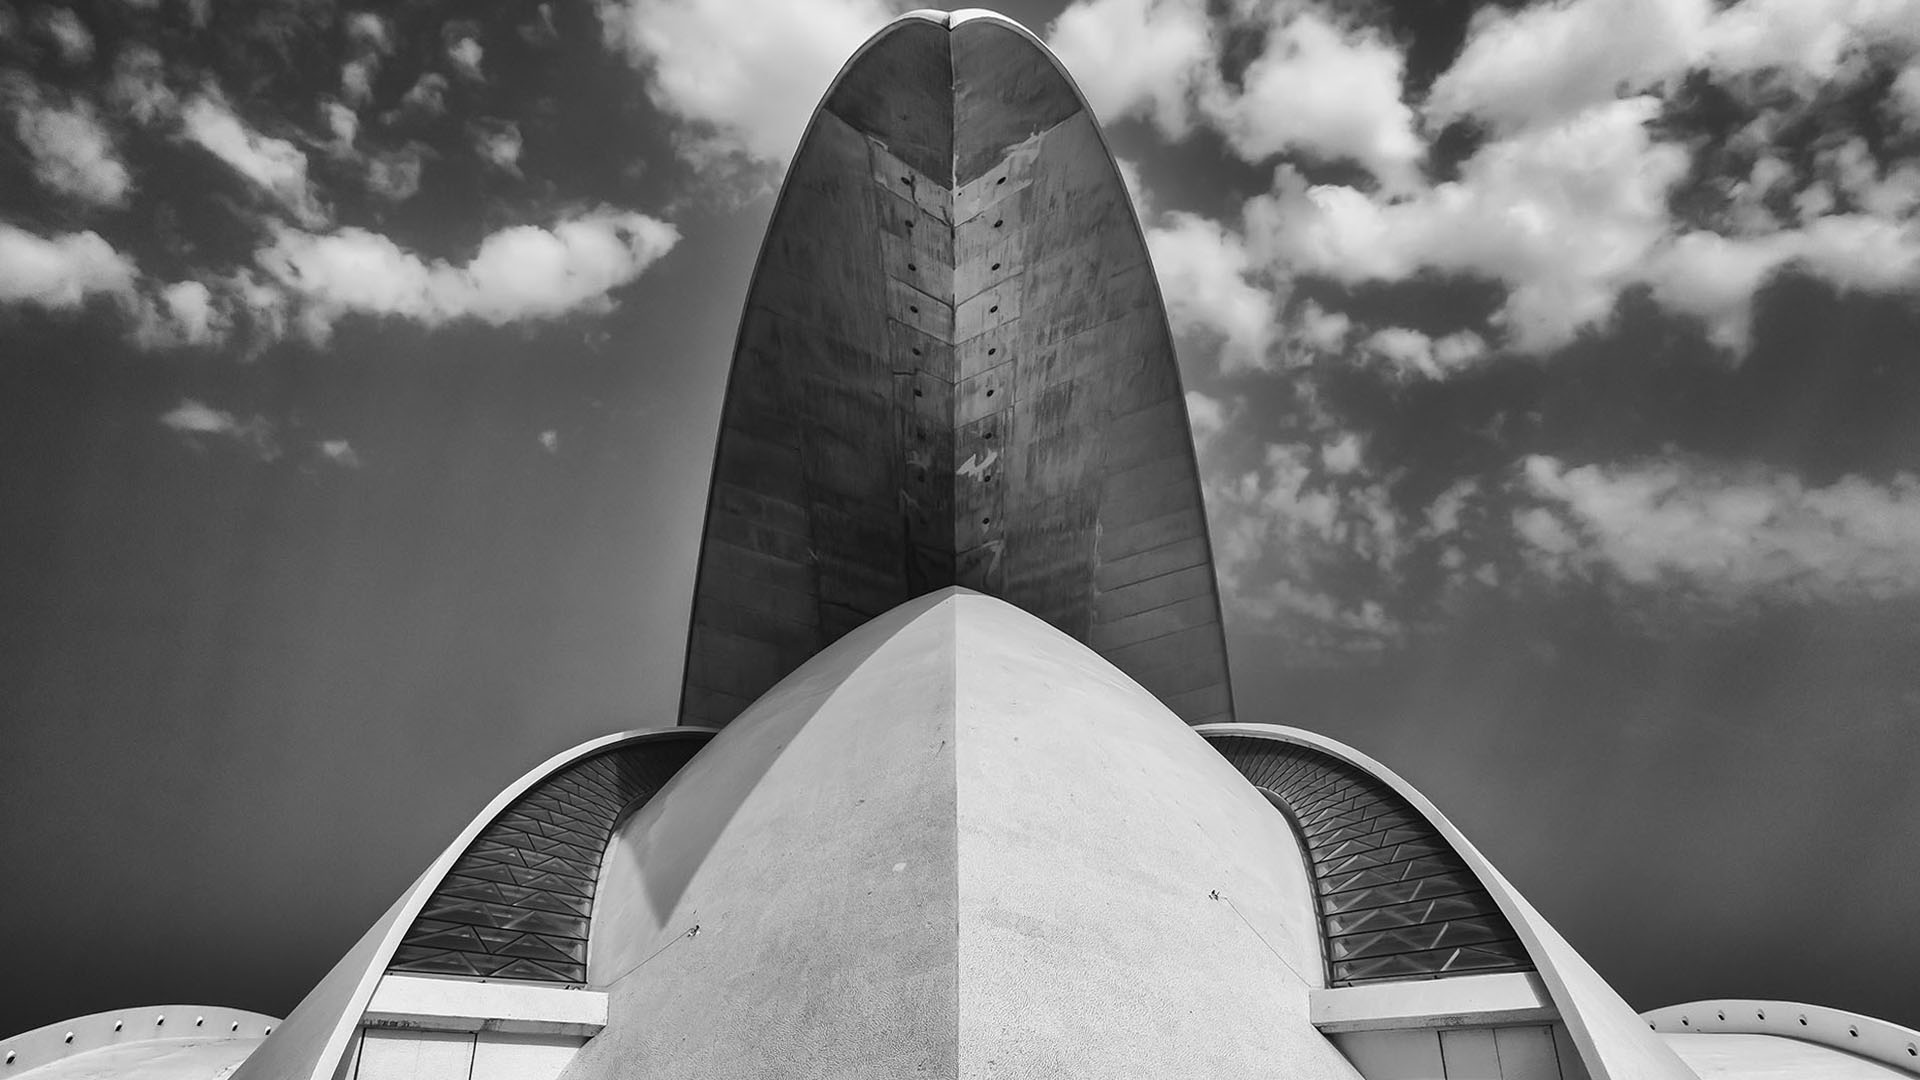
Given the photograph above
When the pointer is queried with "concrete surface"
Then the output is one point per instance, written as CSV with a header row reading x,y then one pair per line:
x,y
428,1003
954,367
317,1039
1851,1033
1613,1043
1462,1001
957,843
1774,1057
164,1042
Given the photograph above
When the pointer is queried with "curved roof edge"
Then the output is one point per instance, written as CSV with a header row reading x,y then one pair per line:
x,y
63,1039
313,1041
1614,1043
1880,1040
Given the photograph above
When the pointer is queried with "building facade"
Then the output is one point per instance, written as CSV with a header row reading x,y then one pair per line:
x,y
957,789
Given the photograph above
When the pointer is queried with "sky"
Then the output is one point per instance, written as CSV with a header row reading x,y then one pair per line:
x,y
1553,368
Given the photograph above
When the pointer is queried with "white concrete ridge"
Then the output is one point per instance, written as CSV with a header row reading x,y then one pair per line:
x,y
426,1003
957,843
158,1042
1763,1024
1461,1001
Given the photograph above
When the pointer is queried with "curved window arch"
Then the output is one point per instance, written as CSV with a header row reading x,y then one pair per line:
x,y
518,902
1395,900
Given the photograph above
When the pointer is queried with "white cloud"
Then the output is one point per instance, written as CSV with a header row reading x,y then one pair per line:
x,y
1320,329
1414,353
197,420
520,273
72,153
1203,270
183,313
395,174
275,165
1344,454
1136,57
1813,39
745,73
1903,98
343,122
1563,215
1728,537
550,441
356,80
1207,416
498,143
340,452
139,87
60,273
1714,278
427,97
368,32
1329,92
69,35
465,55
1549,62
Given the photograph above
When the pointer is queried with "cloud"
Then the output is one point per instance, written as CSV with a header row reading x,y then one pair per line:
x,y
518,274
1414,353
465,55
394,175
1714,278
1330,92
1137,57
744,74
1903,99
138,89
1320,329
276,166
550,441
69,35
72,153
1204,273
198,421
497,142
426,98
1550,62
1726,537
1290,531
1207,416
61,273
340,452
183,313
1563,215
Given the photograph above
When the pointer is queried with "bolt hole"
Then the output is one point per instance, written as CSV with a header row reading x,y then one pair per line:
x,y
909,224
116,1024
915,308
1853,1031
916,392
199,1020
996,266
1722,1014
9,1057
69,1037
1912,1051
158,1020
987,435
1000,181
910,266
999,222
916,352
989,392
990,352
1803,1021
1761,1013
1684,1022
988,477
235,1027
993,309
986,521
907,180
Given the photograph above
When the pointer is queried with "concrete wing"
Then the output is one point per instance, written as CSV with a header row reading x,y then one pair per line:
x,y
954,368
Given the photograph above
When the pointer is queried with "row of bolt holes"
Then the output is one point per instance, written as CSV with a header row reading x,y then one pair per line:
x,y
198,1021
1852,1031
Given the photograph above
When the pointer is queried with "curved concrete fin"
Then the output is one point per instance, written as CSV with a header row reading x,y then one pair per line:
x,y
954,368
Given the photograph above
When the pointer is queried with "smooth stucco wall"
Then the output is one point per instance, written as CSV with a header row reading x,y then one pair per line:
x,y
957,843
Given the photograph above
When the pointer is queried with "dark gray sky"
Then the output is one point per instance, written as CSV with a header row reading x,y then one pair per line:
x,y
1554,371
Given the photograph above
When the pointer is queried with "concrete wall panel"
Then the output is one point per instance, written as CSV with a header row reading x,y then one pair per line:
x,y
952,372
